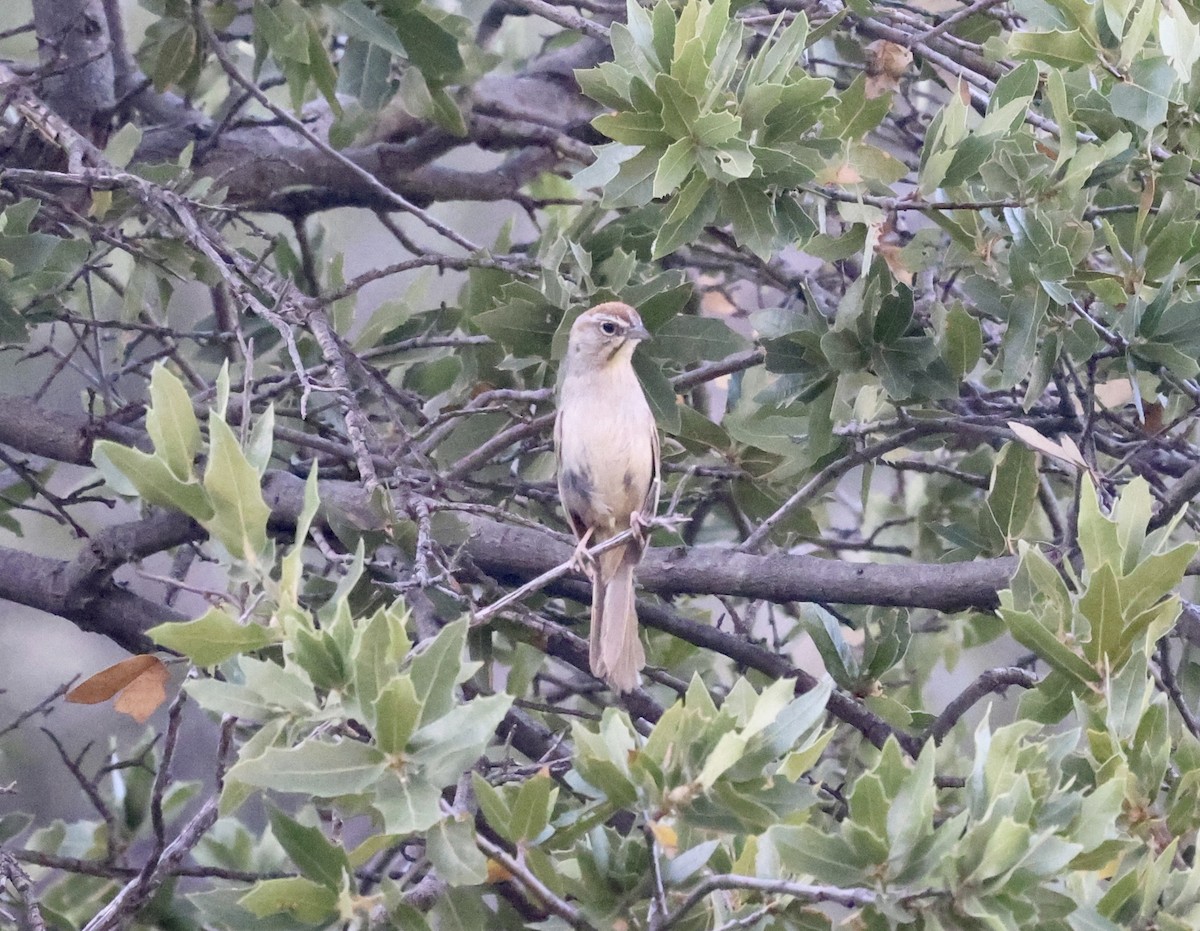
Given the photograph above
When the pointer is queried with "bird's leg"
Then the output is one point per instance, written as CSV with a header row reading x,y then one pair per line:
x,y
581,559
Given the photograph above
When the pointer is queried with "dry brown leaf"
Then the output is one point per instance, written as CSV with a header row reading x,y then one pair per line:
x,y
107,682
141,681
890,253
886,64
143,695
714,303
1154,423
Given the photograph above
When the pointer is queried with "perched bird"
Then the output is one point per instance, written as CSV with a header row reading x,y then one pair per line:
x,y
608,476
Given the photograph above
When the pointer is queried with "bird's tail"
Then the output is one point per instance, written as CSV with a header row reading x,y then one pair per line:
x,y
615,652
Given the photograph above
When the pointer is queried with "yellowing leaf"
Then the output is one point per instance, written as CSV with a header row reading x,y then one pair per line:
x,y
497,872
666,836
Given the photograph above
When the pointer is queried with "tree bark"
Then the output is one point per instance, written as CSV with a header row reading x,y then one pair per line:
x,y
76,56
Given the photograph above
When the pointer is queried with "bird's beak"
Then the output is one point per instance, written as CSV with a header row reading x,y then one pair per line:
x,y
638,332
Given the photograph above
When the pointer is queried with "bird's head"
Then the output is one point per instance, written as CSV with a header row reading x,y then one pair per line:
x,y
605,334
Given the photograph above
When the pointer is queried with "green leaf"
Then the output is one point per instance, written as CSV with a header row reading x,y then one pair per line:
x,y
314,767
685,864
284,687
451,849
688,339
1058,49
659,393
524,328
1144,99
633,128
319,656
827,637
321,69
397,713
407,803
119,152
153,479
1031,633
314,854
1012,492
1097,534
728,750
752,212
962,344
430,46
451,744
532,807
212,638
365,73
436,668
675,165
227,698
301,898
1101,605
357,19
175,57
1155,577
910,814
855,114
691,210
240,515
494,806
680,110
828,858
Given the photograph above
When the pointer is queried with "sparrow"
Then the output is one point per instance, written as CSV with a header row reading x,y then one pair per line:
x,y
608,476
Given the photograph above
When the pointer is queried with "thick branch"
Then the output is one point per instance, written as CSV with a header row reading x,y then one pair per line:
x,y
75,50
38,581
65,436
510,552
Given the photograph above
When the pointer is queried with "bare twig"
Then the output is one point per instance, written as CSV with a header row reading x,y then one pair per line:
x,y
994,680
849,898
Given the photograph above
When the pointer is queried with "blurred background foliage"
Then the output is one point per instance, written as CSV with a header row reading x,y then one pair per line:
x,y
283,290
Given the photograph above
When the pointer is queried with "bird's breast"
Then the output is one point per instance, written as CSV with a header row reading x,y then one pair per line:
x,y
606,454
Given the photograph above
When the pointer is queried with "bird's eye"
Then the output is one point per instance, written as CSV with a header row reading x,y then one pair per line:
x,y
608,328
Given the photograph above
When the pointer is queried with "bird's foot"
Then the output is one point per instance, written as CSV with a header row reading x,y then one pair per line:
x,y
581,559
641,526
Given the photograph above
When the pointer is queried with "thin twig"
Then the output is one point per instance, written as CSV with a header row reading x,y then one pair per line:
x,y
532,885
374,184
485,614
20,881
